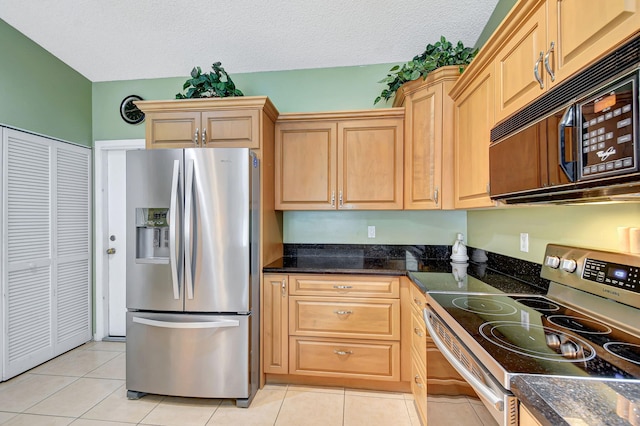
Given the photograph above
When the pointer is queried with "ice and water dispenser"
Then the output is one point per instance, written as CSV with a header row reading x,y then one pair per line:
x,y
152,235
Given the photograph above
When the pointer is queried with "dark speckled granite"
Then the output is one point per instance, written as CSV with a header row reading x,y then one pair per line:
x,y
563,401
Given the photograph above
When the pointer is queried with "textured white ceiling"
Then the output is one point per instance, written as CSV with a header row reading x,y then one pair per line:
x,y
130,39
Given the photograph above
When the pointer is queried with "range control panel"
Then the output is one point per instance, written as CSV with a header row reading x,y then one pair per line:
x,y
608,274
613,274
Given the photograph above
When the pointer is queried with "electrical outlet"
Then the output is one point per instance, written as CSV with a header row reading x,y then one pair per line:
x,y
371,231
524,242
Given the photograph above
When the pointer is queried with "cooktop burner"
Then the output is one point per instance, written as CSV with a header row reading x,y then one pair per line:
x,y
536,340
627,351
484,305
540,305
580,325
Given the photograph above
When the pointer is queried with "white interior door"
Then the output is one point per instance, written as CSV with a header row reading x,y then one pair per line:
x,y
116,241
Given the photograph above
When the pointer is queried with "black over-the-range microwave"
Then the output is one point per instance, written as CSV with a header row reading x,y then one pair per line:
x,y
578,142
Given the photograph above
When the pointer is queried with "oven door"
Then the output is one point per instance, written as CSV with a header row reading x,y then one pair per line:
x,y
502,404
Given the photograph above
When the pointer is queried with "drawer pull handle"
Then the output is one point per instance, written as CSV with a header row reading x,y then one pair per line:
x,y
343,312
417,331
417,302
342,287
417,380
337,352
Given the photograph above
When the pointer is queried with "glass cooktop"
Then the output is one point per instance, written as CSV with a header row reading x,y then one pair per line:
x,y
530,334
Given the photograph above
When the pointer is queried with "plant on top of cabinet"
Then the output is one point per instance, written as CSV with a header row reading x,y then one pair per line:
x,y
437,55
215,84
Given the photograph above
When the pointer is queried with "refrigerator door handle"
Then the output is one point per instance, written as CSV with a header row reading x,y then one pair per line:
x,y
188,229
200,325
173,259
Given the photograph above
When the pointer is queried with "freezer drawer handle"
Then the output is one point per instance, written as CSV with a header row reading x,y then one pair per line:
x,y
167,324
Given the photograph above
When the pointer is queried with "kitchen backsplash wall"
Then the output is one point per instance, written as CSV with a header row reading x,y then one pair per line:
x,y
392,227
595,225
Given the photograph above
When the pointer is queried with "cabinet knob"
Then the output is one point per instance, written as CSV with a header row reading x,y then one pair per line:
x,y
435,195
339,352
333,198
417,302
417,380
204,137
342,287
343,312
195,136
284,288
418,332
340,199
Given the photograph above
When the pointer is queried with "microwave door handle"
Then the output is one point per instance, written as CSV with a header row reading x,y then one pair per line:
x,y
188,229
173,228
566,143
478,386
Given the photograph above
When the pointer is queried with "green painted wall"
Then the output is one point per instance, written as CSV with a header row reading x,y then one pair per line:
x,y
308,90
498,230
392,227
502,9
40,93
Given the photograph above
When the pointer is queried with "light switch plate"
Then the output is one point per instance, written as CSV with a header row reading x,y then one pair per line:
x,y
524,242
371,231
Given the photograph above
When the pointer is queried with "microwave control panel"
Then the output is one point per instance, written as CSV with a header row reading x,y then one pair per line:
x,y
608,141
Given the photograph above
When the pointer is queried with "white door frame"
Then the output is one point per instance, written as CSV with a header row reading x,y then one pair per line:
x,y
101,220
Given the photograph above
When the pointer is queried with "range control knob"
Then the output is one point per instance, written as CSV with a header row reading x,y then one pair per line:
x,y
568,265
552,262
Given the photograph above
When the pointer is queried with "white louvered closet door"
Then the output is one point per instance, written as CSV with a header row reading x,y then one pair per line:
x,y
45,256
72,246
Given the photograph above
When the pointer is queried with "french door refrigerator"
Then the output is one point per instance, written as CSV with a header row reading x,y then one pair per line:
x,y
192,273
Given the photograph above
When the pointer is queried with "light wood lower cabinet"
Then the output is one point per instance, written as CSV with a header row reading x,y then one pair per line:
x,y
525,418
337,326
418,352
275,323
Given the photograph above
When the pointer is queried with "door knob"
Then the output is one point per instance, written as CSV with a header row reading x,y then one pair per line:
x,y
111,251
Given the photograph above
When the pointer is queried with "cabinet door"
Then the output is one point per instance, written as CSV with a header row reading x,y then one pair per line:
x,y
173,129
423,149
275,323
584,30
518,62
231,129
306,166
419,387
474,117
370,161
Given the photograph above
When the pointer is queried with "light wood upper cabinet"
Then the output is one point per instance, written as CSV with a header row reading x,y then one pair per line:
x,y
344,160
551,40
474,118
519,65
202,123
370,164
428,140
584,30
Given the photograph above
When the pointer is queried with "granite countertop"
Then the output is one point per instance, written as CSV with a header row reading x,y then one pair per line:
x,y
558,401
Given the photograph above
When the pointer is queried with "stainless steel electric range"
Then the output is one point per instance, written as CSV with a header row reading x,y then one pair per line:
x,y
586,326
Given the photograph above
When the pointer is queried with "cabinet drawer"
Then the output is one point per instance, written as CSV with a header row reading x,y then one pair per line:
x,y
327,285
418,300
341,358
418,337
419,388
340,317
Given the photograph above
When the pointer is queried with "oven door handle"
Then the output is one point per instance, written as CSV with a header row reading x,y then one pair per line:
x,y
479,387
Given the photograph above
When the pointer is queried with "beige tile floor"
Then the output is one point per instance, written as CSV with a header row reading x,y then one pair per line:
x,y
86,387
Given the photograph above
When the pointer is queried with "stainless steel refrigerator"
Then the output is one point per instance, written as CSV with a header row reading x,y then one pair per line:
x,y
193,273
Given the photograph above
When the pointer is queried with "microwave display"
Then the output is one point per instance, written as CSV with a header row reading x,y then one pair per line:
x,y
608,134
